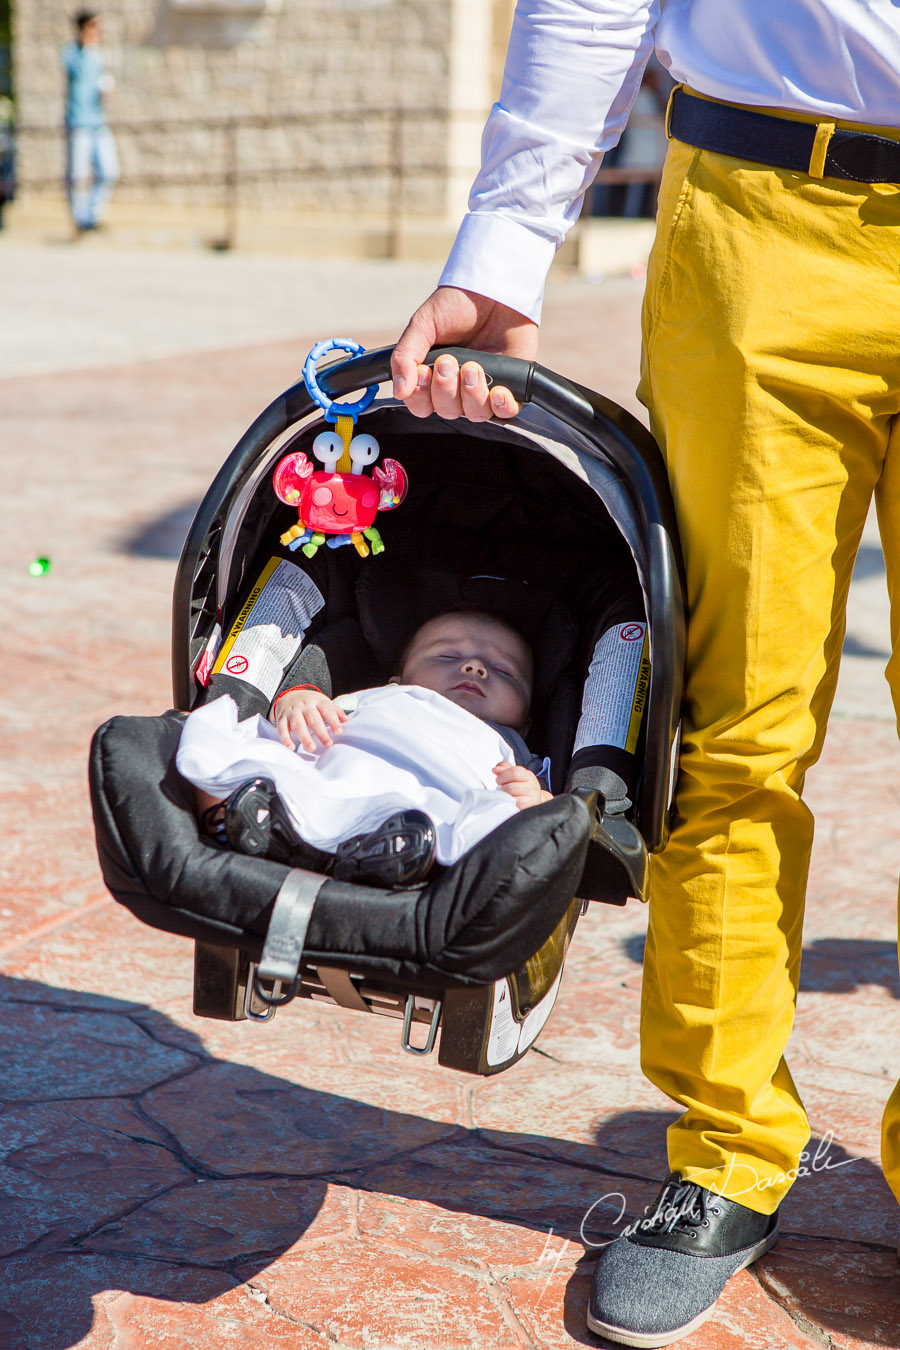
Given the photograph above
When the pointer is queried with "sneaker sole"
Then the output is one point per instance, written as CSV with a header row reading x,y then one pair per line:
x,y
651,1340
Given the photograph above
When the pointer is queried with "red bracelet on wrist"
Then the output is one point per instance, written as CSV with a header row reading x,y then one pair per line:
x,y
293,690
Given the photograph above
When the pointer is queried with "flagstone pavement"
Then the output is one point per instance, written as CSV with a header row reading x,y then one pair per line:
x,y
170,1182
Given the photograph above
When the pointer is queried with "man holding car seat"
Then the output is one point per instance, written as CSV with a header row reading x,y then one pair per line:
x,y
771,371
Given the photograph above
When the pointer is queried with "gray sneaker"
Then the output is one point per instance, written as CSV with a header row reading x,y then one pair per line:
x,y
661,1279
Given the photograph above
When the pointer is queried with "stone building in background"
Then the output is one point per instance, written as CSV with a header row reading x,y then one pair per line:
x,y
327,126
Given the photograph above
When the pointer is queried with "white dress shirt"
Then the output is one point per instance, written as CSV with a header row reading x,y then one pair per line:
x,y
573,71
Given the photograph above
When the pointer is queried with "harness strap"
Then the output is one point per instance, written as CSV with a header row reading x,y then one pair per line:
x,y
291,914
341,988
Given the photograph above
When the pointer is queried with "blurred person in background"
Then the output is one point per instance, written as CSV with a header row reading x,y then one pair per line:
x,y
92,163
7,160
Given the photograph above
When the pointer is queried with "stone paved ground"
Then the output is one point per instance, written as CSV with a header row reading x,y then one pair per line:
x,y
170,1182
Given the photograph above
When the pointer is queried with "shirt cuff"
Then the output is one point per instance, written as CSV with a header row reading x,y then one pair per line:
x,y
496,256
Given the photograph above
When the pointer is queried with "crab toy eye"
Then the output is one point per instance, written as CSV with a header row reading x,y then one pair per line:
x,y
364,450
328,448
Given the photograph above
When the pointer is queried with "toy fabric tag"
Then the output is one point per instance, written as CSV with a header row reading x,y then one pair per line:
x,y
268,633
615,691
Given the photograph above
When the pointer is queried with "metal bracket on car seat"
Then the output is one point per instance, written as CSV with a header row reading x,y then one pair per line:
x,y
617,863
427,1048
283,947
251,998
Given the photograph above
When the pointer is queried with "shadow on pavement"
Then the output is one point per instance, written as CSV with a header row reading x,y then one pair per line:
x,y
853,647
162,537
869,562
829,965
137,1161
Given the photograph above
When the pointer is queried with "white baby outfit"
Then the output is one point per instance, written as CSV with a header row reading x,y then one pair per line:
x,y
402,746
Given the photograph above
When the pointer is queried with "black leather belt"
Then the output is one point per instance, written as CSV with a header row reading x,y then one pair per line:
x,y
781,144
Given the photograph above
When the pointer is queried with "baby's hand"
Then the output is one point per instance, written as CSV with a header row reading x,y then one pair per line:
x,y
521,784
300,714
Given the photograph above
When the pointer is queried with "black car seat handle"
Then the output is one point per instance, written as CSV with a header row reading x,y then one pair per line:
x,y
373,367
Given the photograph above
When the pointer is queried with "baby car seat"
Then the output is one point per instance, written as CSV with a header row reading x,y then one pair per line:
x,y
559,521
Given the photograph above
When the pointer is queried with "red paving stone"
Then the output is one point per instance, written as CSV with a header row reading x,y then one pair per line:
x,y
169,1181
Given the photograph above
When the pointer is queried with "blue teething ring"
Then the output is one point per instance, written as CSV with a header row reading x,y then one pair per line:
x,y
330,407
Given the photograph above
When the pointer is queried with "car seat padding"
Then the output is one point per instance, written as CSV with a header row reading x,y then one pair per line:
x,y
477,921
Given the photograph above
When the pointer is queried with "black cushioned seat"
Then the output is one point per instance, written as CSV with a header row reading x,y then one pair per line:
x,y
479,920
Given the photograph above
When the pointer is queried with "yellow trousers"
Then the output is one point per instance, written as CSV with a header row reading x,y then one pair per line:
x,y
772,376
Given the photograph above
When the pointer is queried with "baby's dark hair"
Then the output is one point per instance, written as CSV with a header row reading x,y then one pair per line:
x,y
83,18
466,612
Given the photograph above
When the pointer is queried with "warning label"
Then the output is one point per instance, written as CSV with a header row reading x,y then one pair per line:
x,y
507,1037
268,633
615,692
503,1038
534,1022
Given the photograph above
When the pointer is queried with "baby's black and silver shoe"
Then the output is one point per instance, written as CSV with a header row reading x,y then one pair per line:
x,y
398,853
257,823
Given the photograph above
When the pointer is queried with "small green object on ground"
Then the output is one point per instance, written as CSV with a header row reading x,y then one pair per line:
x,y
39,567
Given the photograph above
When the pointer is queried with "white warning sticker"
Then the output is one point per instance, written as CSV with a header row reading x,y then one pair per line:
x,y
503,1038
534,1021
508,1037
615,691
268,632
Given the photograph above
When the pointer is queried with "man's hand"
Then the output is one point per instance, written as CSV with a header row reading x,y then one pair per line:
x,y
300,714
454,318
521,784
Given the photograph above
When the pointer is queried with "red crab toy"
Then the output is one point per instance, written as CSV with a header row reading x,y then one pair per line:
x,y
338,505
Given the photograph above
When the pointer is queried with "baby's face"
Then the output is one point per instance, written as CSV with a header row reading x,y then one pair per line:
x,y
474,662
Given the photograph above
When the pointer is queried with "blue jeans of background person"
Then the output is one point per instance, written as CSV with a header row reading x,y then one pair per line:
x,y
91,172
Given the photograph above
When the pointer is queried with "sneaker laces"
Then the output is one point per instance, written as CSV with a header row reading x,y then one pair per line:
x,y
682,1206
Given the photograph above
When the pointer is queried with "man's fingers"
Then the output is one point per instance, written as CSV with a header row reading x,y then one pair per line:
x,y
403,368
502,402
454,317
476,403
452,392
445,388
419,403
412,347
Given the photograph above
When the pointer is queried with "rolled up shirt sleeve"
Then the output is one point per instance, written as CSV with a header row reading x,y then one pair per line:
x,y
573,70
